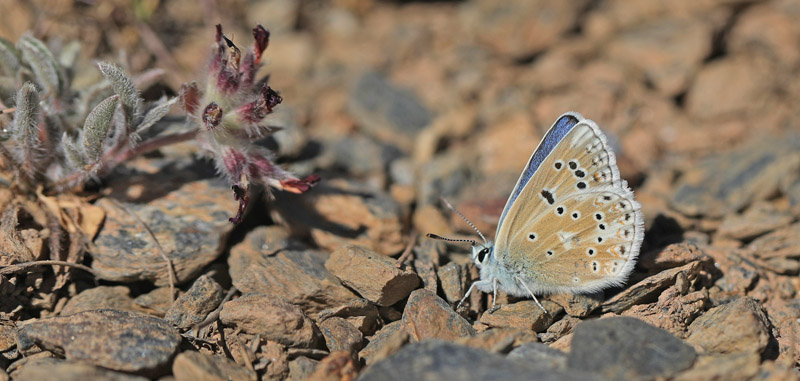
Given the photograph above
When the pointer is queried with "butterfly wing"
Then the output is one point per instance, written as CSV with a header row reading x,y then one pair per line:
x,y
574,225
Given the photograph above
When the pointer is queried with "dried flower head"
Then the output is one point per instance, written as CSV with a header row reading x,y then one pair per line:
x,y
231,113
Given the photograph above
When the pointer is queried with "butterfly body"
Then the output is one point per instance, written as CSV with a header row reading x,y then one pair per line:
x,y
570,225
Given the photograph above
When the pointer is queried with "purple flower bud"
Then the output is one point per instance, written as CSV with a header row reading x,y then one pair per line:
x,y
261,36
212,115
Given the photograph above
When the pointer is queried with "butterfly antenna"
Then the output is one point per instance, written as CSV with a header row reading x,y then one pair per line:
x,y
453,208
436,236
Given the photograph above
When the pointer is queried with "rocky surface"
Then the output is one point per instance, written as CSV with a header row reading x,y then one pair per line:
x,y
396,105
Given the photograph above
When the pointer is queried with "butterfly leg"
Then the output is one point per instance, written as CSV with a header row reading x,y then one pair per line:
x,y
532,295
474,284
494,296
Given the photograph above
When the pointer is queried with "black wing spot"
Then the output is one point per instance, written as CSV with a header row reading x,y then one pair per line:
x,y
580,173
590,251
622,249
602,226
598,216
627,216
607,198
531,237
558,165
581,185
575,215
548,196
573,164
599,239
550,253
560,210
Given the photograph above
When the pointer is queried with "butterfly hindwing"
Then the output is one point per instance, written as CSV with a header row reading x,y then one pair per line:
x,y
553,223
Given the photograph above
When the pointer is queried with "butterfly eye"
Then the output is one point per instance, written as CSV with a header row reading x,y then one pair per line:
x,y
482,255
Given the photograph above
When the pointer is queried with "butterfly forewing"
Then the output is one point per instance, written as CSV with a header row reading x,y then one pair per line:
x,y
574,226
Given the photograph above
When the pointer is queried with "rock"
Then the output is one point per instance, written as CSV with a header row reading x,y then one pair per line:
x,y
559,329
363,156
524,314
739,326
712,95
69,371
385,342
453,279
190,223
372,275
650,287
627,348
118,340
156,302
668,51
784,242
498,340
766,30
439,360
387,112
674,255
427,316
340,335
673,311
728,182
340,212
192,307
578,305
742,365
113,297
426,263
520,29
301,368
268,260
273,318
8,332
359,312
762,217
539,355
196,366
334,367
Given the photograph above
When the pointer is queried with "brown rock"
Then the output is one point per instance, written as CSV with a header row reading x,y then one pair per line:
x,y
118,340
192,307
156,302
498,340
427,316
648,288
524,314
114,297
340,335
739,326
783,242
273,318
385,342
667,51
276,358
579,305
8,331
728,182
766,30
336,367
673,311
341,212
268,260
373,276
301,368
359,312
760,218
713,94
426,262
453,278
520,29
741,365
190,224
196,366
559,329
69,371
674,255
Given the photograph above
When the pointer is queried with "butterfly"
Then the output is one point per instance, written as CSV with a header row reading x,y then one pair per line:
x,y
571,224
